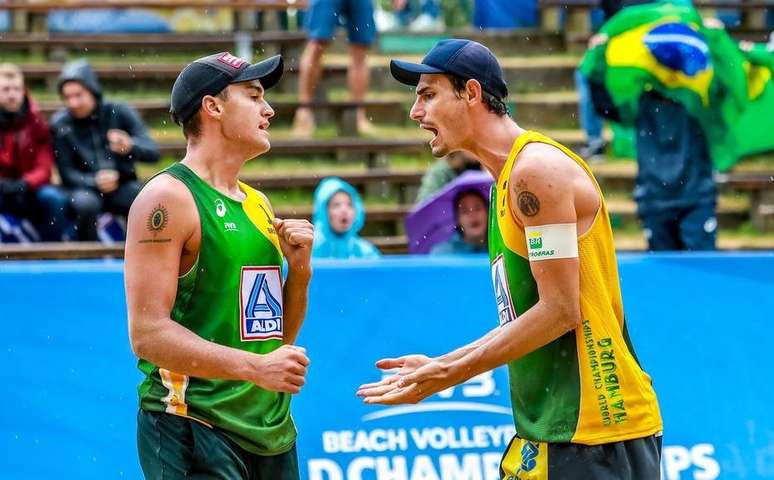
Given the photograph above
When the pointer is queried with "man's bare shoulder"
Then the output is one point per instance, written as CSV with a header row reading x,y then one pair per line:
x,y
542,183
164,188
547,164
546,177
541,160
164,205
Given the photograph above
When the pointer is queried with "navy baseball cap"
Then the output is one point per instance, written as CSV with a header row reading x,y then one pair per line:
x,y
463,58
210,75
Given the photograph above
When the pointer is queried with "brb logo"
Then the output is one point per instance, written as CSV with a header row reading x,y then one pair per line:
x,y
260,303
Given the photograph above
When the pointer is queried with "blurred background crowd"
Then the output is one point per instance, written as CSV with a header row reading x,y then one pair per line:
x,y
670,102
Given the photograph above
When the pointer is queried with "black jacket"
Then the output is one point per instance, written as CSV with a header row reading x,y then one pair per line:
x,y
81,147
674,167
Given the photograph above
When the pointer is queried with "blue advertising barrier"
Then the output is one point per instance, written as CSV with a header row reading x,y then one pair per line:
x,y
702,326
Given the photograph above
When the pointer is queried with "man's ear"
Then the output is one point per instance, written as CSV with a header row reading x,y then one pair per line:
x,y
212,106
473,91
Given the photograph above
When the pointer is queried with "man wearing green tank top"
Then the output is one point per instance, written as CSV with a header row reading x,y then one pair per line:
x,y
583,408
212,318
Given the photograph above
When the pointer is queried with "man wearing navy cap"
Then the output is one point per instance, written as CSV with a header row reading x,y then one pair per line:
x,y
583,406
211,316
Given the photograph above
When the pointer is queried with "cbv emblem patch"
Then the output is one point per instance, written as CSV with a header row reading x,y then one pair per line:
x,y
502,293
260,303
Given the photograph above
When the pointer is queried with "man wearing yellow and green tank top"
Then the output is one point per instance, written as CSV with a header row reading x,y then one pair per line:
x,y
212,317
583,407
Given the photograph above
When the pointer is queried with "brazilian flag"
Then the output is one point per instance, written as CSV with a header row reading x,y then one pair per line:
x,y
667,48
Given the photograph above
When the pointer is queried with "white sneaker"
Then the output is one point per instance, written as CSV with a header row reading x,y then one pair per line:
x,y
426,23
385,21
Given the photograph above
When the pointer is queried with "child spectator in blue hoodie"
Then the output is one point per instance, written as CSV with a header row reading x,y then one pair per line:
x,y
338,217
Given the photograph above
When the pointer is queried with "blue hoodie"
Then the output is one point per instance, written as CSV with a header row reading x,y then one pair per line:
x,y
329,244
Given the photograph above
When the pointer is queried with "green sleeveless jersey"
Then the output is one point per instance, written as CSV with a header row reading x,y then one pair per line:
x,y
231,296
586,386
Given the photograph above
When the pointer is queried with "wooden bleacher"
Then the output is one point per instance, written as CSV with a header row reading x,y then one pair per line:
x,y
761,190
759,187
531,109
528,74
390,218
577,13
346,149
95,250
340,112
47,5
370,151
30,15
56,46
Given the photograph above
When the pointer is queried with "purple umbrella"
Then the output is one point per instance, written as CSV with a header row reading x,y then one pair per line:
x,y
434,221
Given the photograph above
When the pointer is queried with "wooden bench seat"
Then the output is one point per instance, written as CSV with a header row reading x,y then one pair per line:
x,y
56,46
340,112
577,13
47,5
389,244
31,15
354,149
761,190
538,110
552,75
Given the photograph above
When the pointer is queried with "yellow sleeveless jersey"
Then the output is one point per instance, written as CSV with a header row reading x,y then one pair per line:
x,y
587,386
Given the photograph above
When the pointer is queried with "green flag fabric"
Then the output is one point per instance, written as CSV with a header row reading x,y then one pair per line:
x,y
668,48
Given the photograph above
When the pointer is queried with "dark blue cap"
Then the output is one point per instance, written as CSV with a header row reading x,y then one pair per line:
x,y
464,58
210,75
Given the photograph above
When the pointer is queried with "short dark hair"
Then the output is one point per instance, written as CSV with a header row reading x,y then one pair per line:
x,y
495,104
192,128
464,193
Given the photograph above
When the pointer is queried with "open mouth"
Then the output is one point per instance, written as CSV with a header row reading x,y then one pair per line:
x,y
432,130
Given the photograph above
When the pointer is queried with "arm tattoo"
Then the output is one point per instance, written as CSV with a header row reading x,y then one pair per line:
x,y
528,203
156,223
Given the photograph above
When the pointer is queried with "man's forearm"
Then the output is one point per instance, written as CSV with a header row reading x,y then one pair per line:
x,y
537,327
462,351
296,297
169,345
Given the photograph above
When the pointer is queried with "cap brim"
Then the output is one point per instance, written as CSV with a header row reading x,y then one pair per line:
x,y
268,72
408,73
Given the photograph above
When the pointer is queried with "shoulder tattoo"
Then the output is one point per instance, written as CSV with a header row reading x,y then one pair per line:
x,y
158,219
528,203
156,223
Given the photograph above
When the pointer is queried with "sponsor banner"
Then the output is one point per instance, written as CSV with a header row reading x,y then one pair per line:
x,y
701,325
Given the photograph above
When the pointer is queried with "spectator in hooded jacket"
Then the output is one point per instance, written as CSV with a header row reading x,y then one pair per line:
x,y
26,159
472,214
338,217
96,144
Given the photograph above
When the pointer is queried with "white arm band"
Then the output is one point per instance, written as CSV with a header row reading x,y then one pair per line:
x,y
547,242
